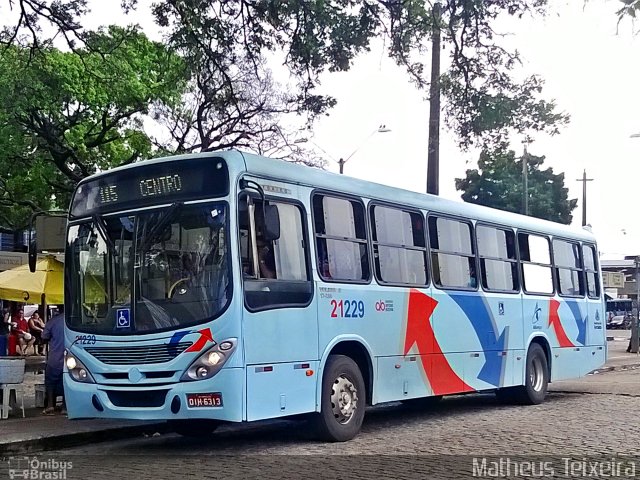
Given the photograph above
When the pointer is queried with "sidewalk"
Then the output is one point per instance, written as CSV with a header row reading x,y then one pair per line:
x,y
617,356
37,432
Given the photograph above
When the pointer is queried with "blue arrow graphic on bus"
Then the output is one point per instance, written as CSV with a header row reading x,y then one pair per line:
x,y
176,337
478,313
580,321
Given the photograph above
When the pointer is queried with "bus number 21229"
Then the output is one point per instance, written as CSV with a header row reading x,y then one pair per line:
x,y
347,309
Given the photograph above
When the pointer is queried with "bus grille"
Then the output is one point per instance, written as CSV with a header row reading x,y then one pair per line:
x,y
139,354
150,398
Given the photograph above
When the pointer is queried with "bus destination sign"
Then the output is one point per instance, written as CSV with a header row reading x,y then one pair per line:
x,y
145,185
148,187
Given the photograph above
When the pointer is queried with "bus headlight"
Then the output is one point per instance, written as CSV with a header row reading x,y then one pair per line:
x,y
77,370
71,362
210,362
215,358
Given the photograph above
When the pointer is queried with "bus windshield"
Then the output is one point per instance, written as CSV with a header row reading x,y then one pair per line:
x,y
151,271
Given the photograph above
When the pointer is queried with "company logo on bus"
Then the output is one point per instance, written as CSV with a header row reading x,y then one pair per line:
x,y
384,306
535,318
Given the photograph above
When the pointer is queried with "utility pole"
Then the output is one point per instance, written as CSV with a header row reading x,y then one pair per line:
x,y
341,163
584,181
433,158
525,181
634,343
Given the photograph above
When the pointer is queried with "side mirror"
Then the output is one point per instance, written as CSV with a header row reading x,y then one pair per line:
x,y
33,246
33,253
271,223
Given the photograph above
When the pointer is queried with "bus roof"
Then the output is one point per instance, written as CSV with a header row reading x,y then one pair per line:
x,y
314,177
317,178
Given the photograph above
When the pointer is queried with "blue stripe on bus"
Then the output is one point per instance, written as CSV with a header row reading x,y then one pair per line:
x,y
581,321
478,313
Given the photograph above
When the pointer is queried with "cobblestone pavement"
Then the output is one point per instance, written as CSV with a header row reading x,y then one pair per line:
x,y
436,443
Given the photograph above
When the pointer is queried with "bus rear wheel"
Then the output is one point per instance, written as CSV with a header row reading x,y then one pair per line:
x,y
193,428
342,401
536,378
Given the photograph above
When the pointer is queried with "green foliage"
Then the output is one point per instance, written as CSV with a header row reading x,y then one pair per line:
x,y
233,100
498,183
484,102
66,115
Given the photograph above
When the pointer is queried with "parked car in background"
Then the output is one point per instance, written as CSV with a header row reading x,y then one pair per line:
x,y
622,322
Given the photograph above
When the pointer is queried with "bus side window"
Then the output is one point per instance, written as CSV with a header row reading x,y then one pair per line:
x,y
400,253
341,239
568,266
498,259
282,279
535,256
591,271
452,253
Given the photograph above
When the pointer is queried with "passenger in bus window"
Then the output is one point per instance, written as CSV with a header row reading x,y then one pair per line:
x,y
266,260
473,282
323,259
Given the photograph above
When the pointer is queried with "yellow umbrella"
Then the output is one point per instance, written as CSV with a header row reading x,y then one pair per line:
x,y
20,285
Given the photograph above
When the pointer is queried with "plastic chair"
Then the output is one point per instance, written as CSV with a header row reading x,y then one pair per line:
x,y
7,388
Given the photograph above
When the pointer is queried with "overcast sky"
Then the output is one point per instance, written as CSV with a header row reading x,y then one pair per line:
x,y
590,68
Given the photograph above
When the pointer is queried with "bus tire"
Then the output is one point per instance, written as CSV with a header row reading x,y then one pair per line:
x,y
342,401
536,378
194,428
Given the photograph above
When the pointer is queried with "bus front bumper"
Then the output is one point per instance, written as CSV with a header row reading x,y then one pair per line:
x,y
219,398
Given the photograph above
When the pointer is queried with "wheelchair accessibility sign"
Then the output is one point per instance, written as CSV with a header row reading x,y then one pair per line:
x,y
123,318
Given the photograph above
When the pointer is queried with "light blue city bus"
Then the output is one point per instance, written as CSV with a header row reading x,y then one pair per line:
x,y
228,287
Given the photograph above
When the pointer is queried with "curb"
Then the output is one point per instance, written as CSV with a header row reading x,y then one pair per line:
x,y
67,440
613,368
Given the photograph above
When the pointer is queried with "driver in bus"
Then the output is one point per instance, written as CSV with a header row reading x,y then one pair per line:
x,y
266,259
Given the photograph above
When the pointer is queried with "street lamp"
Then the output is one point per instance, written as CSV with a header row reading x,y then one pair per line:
x,y
342,161
633,341
380,129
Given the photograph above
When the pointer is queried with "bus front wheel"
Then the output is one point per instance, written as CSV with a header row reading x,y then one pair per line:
x,y
193,428
343,400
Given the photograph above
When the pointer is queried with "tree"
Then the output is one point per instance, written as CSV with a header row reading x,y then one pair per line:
x,y
66,115
60,17
498,183
629,8
484,101
227,43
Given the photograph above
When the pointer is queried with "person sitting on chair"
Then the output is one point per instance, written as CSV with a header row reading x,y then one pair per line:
x,y
36,327
21,331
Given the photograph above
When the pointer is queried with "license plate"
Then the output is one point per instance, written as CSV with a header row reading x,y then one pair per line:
x,y
195,400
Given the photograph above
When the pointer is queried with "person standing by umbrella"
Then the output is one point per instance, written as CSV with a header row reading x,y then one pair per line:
x,y
5,327
54,334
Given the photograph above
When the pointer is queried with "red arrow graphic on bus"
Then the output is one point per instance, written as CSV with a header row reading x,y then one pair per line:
x,y
205,336
419,332
554,321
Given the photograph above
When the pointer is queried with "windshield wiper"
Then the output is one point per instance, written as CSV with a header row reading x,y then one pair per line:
x,y
160,225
